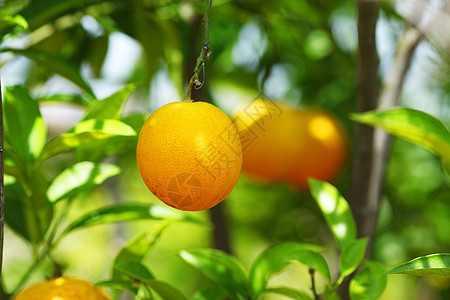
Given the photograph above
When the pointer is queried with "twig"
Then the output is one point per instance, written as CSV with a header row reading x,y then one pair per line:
x,y
313,283
366,208
204,55
389,97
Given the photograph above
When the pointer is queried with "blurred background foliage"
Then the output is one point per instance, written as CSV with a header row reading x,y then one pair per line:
x,y
69,53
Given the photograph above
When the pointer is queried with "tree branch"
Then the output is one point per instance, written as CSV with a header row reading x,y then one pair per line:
x,y
204,54
367,80
389,97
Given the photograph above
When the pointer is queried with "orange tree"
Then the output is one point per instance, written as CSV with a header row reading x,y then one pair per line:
x,y
59,183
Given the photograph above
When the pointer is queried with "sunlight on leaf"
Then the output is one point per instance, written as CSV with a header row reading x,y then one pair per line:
x,y
414,126
79,177
86,132
24,126
336,212
430,265
221,268
110,107
351,257
369,282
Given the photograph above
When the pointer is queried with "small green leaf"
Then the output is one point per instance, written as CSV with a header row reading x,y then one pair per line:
x,y
78,177
369,283
210,293
53,64
135,270
165,290
130,212
330,293
412,125
110,107
289,292
336,211
430,265
275,258
86,132
351,257
140,245
136,249
120,285
221,268
24,126
16,20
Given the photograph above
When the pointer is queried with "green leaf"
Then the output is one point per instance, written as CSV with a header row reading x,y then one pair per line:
x,y
130,212
53,64
139,246
110,107
275,258
84,133
414,126
135,270
15,218
210,293
221,268
15,20
430,265
330,293
118,285
165,290
289,292
78,177
24,125
336,211
369,283
351,257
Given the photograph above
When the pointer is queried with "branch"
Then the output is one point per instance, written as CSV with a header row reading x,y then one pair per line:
x,y
389,97
204,54
367,76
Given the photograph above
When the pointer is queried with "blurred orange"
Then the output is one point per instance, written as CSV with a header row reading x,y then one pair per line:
x,y
269,139
325,147
285,144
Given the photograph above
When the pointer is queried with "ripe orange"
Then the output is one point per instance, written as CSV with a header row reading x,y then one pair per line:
x,y
269,139
325,150
189,155
63,288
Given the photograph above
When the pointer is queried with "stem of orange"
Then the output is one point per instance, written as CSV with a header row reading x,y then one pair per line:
x,y
204,54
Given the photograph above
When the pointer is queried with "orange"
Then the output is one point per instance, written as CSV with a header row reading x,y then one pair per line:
x,y
189,155
285,144
325,150
63,288
269,139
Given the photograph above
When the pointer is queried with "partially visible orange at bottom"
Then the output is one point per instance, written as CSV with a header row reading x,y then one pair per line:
x,y
63,288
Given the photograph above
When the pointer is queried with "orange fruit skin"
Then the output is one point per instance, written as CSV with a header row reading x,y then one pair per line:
x,y
268,135
189,155
63,288
325,151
